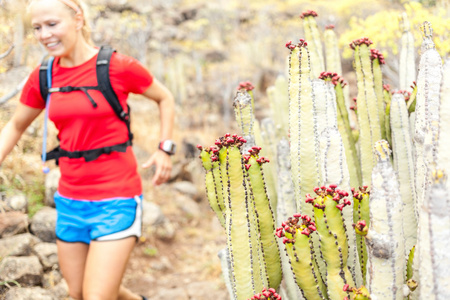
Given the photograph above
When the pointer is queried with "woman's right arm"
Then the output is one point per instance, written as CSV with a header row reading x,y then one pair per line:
x,y
11,133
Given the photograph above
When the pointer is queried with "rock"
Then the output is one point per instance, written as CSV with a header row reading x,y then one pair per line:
x,y
154,222
186,188
32,293
152,215
61,290
51,186
47,254
17,202
43,224
188,206
18,245
12,223
51,279
26,270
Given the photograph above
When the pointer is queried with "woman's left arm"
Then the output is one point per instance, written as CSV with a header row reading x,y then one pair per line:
x,y
163,97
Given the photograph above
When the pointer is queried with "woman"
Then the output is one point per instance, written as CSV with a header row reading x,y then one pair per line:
x,y
98,202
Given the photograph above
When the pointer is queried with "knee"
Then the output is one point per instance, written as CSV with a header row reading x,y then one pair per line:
x,y
75,295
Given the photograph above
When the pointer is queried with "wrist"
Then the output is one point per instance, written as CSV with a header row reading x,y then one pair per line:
x,y
167,146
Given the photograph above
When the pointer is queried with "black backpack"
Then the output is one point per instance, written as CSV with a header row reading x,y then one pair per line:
x,y
104,85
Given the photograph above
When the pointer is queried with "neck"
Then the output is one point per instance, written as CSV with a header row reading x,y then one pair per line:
x,y
81,53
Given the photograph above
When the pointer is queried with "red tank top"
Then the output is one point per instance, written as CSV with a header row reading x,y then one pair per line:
x,y
83,127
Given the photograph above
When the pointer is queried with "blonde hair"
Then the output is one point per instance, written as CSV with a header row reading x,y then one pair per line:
x,y
86,29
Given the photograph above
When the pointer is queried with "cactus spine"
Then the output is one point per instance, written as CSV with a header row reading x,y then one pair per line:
x,y
386,259
404,165
367,108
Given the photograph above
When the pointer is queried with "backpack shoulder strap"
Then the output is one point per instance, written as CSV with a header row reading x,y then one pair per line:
x,y
104,82
43,82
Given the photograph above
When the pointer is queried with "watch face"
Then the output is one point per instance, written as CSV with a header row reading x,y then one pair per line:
x,y
168,146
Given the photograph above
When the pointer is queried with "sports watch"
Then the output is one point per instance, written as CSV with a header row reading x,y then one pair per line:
x,y
167,146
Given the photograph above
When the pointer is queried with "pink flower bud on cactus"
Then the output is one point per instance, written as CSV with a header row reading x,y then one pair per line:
x,y
340,206
346,287
309,199
247,166
306,232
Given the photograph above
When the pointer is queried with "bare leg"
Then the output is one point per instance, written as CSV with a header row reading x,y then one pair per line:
x,y
72,259
105,266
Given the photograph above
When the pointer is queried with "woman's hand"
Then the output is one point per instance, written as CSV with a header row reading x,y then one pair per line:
x,y
163,164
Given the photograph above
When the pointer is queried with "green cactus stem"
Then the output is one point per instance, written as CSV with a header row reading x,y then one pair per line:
x,y
384,239
434,278
343,124
332,54
266,294
407,65
387,120
296,234
368,117
269,141
247,273
361,213
404,166
412,98
335,170
378,60
265,218
286,206
329,220
312,35
410,282
302,125
213,182
326,106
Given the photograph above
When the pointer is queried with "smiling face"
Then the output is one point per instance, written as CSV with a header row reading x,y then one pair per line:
x,y
56,26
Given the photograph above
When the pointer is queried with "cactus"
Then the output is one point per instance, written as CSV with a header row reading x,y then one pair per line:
x,y
444,134
378,60
312,34
302,125
286,206
264,211
330,226
245,118
386,263
343,124
367,108
333,58
407,68
361,213
279,103
404,165
213,183
267,294
334,170
434,278
296,235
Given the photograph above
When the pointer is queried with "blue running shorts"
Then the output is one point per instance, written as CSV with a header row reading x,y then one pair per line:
x,y
106,220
